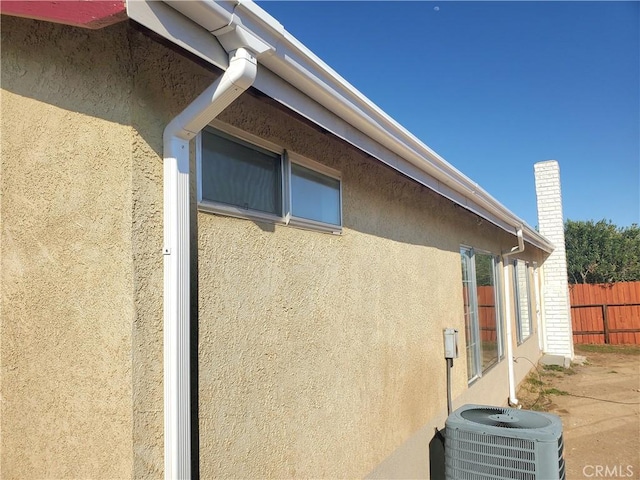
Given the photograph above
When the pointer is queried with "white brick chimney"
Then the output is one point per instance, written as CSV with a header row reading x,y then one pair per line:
x,y
557,331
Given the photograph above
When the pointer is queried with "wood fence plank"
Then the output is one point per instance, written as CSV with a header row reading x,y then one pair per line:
x,y
590,313
622,309
618,313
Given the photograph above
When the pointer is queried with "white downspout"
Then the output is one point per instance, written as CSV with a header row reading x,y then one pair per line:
x,y
177,412
513,400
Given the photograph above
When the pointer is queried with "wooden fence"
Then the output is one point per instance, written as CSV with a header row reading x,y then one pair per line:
x,y
487,314
606,313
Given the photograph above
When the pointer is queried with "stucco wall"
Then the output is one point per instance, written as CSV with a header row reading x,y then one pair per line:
x,y
66,260
82,119
321,355
318,355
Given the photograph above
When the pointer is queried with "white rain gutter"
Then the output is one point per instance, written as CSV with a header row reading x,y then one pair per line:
x,y
177,134
513,400
296,64
235,25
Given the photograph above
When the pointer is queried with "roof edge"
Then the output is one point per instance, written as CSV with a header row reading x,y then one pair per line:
x,y
92,14
288,58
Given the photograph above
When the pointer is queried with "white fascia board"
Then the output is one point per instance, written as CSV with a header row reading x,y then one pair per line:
x,y
333,92
290,60
276,88
178,29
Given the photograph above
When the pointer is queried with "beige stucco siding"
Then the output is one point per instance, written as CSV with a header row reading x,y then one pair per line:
x,y
163,83
82,119
320,355
82,344
66,263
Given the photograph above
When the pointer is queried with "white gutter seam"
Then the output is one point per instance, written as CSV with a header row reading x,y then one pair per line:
x,y
513,400
177,412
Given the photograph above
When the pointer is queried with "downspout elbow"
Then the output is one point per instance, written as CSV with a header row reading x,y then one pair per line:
x,y
209,104
520,247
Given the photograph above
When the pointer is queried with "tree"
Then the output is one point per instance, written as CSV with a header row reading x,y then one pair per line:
x,y
601,252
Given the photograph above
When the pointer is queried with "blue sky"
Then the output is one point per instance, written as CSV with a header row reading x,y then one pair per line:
x,y
494,87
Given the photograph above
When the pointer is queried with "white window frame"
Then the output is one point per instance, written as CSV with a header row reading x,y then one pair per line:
x,y
476,339
287,158
472,346
295,158
538,305
520,337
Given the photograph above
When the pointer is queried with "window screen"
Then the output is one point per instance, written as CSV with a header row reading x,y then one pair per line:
x,y
482,316
314,196
240,175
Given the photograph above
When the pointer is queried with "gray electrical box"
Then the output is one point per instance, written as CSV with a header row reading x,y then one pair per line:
x,y
450,343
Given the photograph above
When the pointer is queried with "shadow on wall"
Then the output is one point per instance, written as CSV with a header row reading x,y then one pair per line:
x,y
377,200
436,455
118,89
51,63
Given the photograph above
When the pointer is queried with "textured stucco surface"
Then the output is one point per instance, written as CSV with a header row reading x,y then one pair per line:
x,y
321,355
318,355
66,264
81,248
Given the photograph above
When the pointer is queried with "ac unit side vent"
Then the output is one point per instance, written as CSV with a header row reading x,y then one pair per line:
x,y
493,444
505,463
471,471
495,455
561,466
489,451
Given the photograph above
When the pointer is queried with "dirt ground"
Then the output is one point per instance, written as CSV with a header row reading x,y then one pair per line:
x,y
599,403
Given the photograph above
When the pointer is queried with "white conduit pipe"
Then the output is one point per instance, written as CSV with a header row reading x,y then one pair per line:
x,y
513,400
177,412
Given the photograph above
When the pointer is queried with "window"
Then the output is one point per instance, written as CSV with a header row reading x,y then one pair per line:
x,y
314,196
241,176
250,178
524,325
482,314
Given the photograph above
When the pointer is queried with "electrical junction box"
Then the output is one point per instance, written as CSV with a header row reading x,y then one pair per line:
x,y
450,343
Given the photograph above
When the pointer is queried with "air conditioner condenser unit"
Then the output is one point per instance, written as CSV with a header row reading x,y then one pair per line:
x,y
494,443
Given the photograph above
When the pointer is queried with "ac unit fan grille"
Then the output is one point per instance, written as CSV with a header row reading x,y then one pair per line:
x,y
487,457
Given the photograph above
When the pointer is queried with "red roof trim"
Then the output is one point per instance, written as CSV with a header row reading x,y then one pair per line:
x,y
81,13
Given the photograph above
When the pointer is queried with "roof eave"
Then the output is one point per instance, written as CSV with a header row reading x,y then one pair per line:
x,y
92,14
240,21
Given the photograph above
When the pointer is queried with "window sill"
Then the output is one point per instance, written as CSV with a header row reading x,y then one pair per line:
x,y
257,216
305,224
471,382
484,372
237,212
524,340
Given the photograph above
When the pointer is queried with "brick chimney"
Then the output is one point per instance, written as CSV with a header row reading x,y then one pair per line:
x,y
557,331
